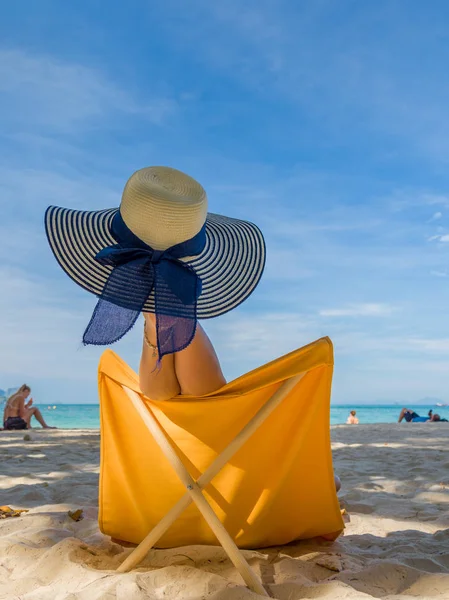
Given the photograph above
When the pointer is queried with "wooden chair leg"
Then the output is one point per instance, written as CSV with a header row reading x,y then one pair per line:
x,y
144,547
229,546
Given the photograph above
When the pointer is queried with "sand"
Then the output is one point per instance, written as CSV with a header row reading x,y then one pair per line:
x,y
396,546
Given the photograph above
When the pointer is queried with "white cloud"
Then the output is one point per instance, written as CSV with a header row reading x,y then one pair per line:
x,y
444,238
37,327
245,340
283,265
39,91
411,368
431,345
404,348
295,54
328,222
437,199
42,326
436,216
405,199
36,189
359,310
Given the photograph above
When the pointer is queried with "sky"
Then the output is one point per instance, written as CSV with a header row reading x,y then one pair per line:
x,y
326,123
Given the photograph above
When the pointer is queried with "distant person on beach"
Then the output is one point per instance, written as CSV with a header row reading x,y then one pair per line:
x,y
412,417
352,419
18,413
434,418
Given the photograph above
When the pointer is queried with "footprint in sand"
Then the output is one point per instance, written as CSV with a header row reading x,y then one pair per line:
x,y
364,509
371,486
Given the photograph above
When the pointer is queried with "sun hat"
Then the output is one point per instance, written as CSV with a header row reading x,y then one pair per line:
x,y
159,252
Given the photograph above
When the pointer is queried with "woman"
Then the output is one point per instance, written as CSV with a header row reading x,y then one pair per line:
x,y
18,413
161,254
352,418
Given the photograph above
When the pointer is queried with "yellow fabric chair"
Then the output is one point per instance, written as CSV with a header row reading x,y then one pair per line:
x,y
269,485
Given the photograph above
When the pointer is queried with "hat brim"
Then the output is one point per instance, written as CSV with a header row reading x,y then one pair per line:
x,y
230,266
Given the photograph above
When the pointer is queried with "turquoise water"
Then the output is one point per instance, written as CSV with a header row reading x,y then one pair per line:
x,y
86,416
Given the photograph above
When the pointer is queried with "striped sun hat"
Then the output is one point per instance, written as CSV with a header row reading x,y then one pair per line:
x,y
160,252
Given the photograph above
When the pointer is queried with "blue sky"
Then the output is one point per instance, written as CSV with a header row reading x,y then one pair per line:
x,y
324,122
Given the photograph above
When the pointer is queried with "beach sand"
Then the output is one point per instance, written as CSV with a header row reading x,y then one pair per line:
x,y
396,545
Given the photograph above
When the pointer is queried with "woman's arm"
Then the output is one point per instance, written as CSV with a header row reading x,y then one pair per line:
x,y
22,409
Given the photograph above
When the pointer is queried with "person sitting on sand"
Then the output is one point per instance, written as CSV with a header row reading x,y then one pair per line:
x,y
412,417
352,419
18,413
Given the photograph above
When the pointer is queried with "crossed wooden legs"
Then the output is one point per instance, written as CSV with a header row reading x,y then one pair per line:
x,y
194,493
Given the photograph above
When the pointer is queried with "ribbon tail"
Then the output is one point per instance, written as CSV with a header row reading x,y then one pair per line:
x,y
175,306
109,323
173,333
119,308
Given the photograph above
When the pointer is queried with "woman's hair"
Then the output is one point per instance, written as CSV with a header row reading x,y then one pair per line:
x,y
353,413
22,388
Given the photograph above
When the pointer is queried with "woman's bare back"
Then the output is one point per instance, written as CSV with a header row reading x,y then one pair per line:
x,y
12,406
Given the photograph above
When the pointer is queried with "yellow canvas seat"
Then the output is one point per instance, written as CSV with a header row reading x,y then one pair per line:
x,y
270,484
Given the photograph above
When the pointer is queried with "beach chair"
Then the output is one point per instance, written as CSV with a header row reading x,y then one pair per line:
x,y
249,465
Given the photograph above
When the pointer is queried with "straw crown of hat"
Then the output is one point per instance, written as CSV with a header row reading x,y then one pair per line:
x,y
163,206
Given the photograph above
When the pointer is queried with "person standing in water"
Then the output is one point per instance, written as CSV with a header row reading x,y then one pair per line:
x,y
352,419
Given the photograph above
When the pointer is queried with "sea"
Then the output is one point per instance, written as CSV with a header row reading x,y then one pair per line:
x,y
87,416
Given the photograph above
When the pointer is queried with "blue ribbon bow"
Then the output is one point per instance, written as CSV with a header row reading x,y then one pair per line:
x,y
138,270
